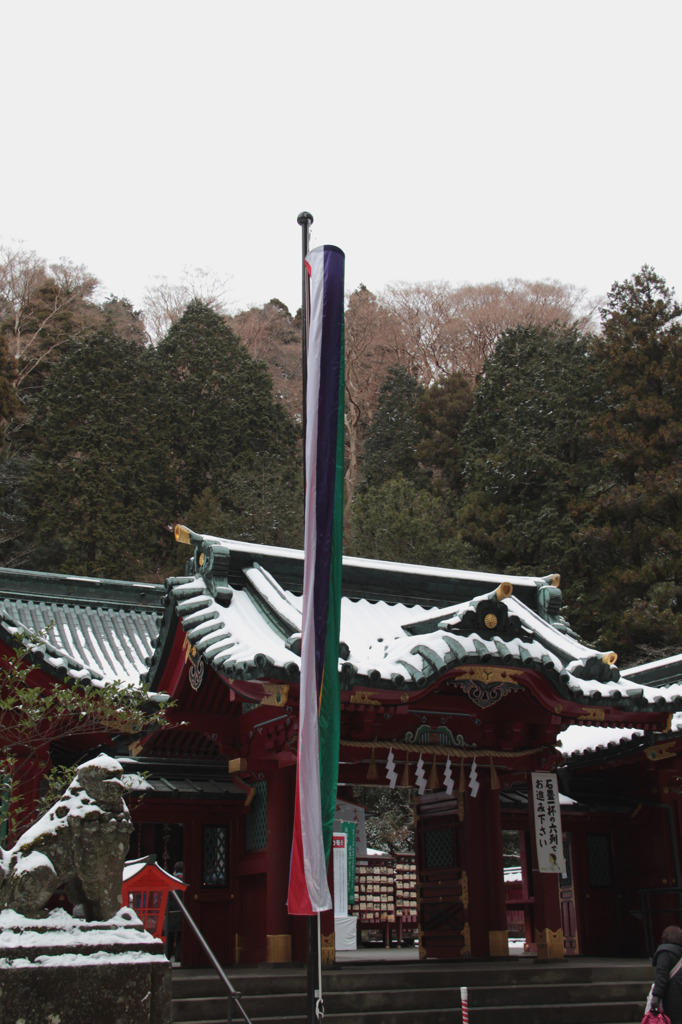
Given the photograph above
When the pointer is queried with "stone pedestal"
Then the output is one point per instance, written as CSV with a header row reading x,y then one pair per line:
x,y
60,970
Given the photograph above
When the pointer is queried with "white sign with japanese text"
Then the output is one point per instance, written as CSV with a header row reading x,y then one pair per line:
x,y
548,837
340,861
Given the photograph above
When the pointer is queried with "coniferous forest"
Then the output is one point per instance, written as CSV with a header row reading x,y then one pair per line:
x,y
510,426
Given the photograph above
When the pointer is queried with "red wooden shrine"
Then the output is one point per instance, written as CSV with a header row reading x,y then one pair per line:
x,y
457,675
145,889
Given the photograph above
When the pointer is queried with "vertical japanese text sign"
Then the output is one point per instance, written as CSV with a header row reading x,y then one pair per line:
x,y
548,836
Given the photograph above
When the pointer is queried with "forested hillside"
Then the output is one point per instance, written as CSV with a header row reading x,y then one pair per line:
x,y
509,426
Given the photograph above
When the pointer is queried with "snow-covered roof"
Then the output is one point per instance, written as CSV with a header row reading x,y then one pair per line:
x,y
246,623
96,630
579,739
131,868
402,626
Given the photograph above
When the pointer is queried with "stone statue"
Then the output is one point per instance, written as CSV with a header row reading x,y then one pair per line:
x,y
80,844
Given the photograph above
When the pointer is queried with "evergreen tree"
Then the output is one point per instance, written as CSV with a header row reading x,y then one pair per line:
x,y
401,522
529,455
443,410
636,536
395,431
224,430
93,489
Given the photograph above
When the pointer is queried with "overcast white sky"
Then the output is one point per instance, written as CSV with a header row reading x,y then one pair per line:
x,y
460,141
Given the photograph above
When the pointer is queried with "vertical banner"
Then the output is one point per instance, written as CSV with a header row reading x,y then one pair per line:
x,y
319,698
340,862
547,813
350,828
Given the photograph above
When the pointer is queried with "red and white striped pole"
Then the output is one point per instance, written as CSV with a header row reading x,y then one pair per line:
x,y
464,995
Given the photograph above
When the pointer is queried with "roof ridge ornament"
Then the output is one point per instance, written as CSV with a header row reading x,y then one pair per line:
x,y
550,600
211,561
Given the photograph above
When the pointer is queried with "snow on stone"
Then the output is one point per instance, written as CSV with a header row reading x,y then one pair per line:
x,y
74,800
61,929
77,942
32,862
95,958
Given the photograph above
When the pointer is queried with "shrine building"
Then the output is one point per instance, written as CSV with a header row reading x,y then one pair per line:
x,y
470,685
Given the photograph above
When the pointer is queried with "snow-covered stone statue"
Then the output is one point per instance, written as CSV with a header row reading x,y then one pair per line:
x,y
79,844
59,967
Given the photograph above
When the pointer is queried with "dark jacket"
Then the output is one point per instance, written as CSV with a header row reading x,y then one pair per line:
x,y
669,989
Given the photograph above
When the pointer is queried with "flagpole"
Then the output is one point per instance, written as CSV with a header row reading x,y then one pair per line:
x,y
305,219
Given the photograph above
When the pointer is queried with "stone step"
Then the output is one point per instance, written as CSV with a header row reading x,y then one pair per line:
x,y
586,1014
523,993
385,977
374,1000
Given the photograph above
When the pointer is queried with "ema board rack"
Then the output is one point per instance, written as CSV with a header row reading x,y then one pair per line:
x,y
386,897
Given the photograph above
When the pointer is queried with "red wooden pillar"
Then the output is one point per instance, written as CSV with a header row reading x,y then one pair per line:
x,y
487,913
280,809
549,934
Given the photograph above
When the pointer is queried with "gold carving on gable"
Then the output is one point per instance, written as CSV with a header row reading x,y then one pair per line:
x,y
592,715
197,666
661,751
276,694
363,697
484,685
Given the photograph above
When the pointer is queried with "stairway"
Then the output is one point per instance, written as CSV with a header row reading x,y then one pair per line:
x,y
579,991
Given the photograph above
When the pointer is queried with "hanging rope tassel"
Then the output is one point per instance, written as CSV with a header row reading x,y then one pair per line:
x,y
405,781
433,777
372,772
494,780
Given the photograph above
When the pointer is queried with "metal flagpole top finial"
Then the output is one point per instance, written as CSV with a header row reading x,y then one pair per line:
x,y
304,218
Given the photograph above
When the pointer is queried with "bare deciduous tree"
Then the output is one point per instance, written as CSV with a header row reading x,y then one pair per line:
x,y
165,301
41,306
271,334
370,351
442,329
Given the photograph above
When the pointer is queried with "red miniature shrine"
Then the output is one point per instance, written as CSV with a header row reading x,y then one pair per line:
x,y
145,890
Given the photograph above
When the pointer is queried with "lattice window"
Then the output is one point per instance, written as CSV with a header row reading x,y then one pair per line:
x,y
215,853
257,819
438,848
147,905
600,861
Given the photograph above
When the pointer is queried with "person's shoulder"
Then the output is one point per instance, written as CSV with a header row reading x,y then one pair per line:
x,y
668,949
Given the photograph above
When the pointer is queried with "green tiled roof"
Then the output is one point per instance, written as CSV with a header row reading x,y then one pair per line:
x,y
101,630
245,621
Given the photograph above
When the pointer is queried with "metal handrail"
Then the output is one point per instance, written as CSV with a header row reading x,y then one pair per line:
x,y
232,994
647,911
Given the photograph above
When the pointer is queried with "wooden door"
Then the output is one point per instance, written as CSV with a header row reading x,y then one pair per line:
x,y
443,889
569,920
